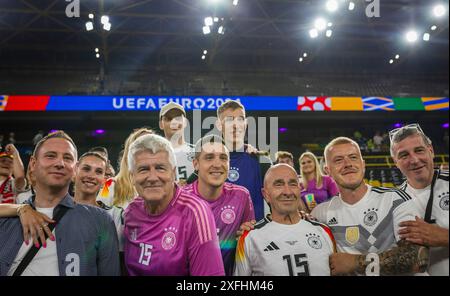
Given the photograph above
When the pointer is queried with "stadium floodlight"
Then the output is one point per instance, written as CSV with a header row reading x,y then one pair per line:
x,y
391,61
104,20
205,51
221,30
91,16
206,30
107,26
96,49
329,33
89,26
439,10
433,28
332,5
97,55
351,6
235,2
300,60
305,55
397,56
320,24
313,33
216,19
203,57
411,36
208,21
426,37
330,24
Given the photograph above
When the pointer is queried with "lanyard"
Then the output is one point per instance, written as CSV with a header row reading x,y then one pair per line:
x,y
430,200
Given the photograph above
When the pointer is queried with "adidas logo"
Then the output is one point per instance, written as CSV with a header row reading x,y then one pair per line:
x,y
333,221
271,247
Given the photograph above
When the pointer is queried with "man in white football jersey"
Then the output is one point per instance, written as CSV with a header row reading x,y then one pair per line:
x,y
365,220
413,154
287,245
172,120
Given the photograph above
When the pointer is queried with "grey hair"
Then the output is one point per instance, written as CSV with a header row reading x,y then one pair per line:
x,y
406,132
206,140
153,144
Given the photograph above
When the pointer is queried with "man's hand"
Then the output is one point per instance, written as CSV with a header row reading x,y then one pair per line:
x,y
312,205
246,226
343,264
307,216
34,224
12,150
251,149
422,233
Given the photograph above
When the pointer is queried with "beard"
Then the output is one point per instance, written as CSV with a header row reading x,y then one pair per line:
x,y
351,187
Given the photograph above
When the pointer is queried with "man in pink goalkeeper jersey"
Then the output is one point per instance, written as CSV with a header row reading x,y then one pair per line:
x,y
168,231
231,204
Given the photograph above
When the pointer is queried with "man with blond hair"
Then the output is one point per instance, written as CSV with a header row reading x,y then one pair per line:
x,y
365,220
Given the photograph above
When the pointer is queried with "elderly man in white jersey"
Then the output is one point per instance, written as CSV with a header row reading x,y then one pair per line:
x,y
413,154
287,245
172,120
365,220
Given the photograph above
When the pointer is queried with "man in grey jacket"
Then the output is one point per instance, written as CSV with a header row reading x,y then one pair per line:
x,y
84,241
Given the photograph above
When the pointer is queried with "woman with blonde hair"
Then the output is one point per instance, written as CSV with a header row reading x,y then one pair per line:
x,y
316,187
119,191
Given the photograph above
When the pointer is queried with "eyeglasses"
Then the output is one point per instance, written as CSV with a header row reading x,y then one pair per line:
x,y
395,131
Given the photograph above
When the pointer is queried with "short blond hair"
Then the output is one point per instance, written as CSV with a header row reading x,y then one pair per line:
x,y
233,105
339,141
283,154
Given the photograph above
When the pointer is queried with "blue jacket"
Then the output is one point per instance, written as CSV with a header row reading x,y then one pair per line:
x,y
86,241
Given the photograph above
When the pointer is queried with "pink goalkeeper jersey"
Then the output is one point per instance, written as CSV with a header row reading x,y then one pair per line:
x,y
231,209
181,241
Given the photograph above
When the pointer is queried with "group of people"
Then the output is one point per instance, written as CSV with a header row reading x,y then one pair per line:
x,y
180,209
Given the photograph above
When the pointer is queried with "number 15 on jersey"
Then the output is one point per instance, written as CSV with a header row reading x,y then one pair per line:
x,y
146,254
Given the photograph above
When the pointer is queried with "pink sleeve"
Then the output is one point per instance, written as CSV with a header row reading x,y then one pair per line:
x,y
205,258
331,187
249,211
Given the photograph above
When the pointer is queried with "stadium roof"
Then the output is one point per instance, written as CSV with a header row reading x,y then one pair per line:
x,y
258,34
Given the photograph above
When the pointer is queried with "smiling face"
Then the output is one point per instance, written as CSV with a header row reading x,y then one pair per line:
x,y
90,175
153,176
307,165
173,122
212,164
54,164
346,166
282,190
414,158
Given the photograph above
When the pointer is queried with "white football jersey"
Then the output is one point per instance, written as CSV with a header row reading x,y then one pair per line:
x,y
369,226
274,249
184,155
106,193
439,262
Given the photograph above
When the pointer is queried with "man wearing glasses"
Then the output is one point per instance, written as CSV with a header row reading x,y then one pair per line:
x,y
365,220
413,154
